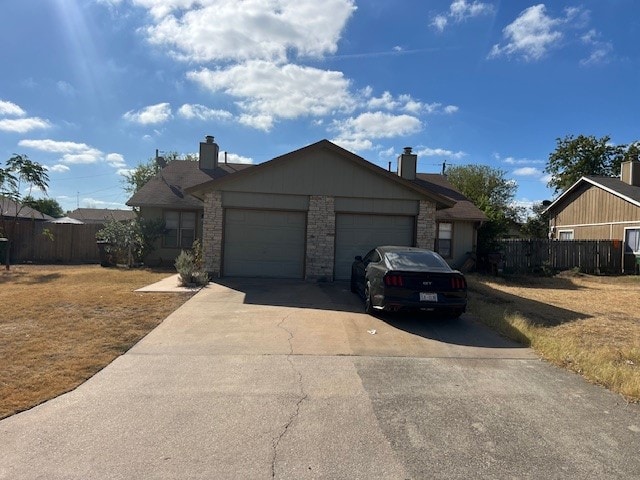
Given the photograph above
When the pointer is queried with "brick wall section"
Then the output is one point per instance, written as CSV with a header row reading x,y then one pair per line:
x,y
321,233
212,233
426,225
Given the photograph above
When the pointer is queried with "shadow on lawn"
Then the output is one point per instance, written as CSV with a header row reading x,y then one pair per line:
x,y
538,313
27,278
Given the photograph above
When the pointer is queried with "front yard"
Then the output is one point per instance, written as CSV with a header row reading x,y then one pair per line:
x,y
587,324
59,325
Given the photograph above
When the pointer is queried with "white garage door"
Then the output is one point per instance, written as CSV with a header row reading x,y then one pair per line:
x,y
263,243
356,234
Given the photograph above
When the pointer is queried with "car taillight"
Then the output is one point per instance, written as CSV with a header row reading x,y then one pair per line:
x,y
393,280
458,283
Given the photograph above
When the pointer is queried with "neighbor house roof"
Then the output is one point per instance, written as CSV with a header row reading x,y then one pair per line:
x,y
102,215
217,181
168,187
463,209
68,220
613,185
9,209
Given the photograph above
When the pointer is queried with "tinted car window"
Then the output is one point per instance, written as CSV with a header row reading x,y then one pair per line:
x,y
416,261
372,256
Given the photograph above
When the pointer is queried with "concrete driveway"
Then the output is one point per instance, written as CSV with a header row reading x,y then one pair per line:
x,y
279,379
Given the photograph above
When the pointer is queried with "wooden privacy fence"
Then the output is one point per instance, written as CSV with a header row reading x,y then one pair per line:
x,y
42,242
538,255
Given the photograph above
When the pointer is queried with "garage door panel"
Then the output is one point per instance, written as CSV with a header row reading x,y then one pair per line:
x,y
262,243
356,234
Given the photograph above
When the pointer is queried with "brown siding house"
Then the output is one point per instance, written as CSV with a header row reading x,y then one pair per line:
x,y
596,208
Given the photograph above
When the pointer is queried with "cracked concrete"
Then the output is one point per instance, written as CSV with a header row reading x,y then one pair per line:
x,y
277,379
296,410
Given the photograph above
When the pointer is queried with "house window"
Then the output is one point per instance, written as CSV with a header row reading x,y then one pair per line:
x,y
632,240
565,234
180,229
443,242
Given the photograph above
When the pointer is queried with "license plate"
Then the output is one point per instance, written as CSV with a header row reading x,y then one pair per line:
x,y
428,297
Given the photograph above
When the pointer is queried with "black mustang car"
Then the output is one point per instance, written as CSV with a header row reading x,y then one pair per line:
x,y
407,278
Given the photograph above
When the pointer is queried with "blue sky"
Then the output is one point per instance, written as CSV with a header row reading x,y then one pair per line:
x,y
91,88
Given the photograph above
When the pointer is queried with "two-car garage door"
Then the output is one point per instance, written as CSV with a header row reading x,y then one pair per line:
x,y
270,243
356,234
264,243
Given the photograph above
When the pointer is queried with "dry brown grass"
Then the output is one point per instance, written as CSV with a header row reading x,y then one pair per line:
x,y
59,325
588,324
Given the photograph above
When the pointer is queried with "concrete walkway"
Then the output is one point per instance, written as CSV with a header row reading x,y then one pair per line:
x,y
171,284
268,379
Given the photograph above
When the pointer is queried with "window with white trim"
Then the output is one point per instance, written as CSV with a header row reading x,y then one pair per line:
x,y
443,241
632,240
180,229
565,234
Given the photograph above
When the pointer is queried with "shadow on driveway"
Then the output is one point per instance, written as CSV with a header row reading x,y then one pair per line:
x,y
337,297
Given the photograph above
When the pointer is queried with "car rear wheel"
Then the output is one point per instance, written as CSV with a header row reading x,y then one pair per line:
x,y
368,304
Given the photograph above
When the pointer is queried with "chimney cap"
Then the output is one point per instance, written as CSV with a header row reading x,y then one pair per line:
x,y
209,138
407,150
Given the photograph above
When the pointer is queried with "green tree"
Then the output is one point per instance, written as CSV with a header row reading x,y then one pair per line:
x,y
19,173
490,190
575,157
48,206
537,224
130,242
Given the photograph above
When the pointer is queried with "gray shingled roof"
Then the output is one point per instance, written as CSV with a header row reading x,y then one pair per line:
x,y
8,209
102,215
167,187
464,209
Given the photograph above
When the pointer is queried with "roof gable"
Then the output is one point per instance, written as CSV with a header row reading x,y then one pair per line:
x,y
612,185
322,168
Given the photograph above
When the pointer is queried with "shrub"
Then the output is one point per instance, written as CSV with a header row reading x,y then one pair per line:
x,y
190,266
130,242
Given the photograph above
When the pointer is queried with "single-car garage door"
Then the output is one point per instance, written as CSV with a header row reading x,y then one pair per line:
x,y
264,243
356,234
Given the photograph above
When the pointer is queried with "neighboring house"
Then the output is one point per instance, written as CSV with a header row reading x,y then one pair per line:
x,y
596,208
9,209
101,215
305,214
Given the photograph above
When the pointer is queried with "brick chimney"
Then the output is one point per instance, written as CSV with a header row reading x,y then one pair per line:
x,y
209,150
630,173
407,164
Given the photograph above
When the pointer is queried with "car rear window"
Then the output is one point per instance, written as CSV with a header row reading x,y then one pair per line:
x,y
416,261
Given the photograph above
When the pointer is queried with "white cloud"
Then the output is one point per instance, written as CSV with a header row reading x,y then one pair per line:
x,y
459,11
439,152
59,168
210,30
267,92
450,109
150,115
200,112
527,172
600,50
55,146
10,108
531,35
73,153
357,133
23,125
66,88
234,158
115,160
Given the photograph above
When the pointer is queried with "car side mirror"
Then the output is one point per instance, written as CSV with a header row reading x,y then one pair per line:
x,y
358,258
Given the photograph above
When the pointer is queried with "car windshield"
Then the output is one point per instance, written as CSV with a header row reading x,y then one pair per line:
x,y
416,261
